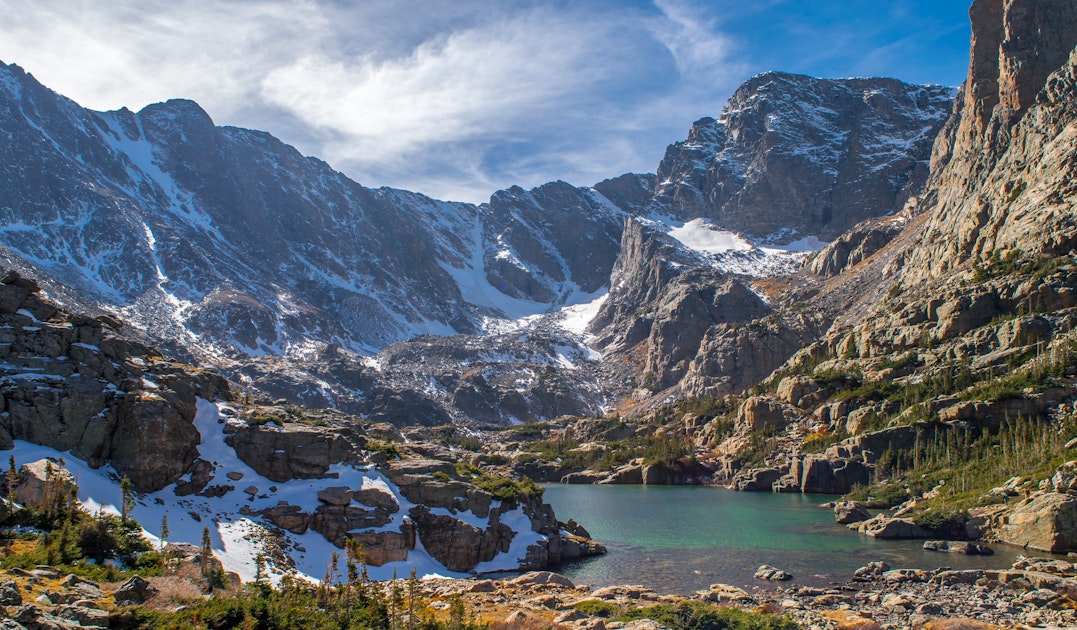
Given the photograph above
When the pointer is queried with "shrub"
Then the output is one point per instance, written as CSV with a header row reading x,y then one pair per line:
x,y
598,608
701,616
949,524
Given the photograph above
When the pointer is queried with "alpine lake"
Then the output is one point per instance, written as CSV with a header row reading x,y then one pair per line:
x,y
679,539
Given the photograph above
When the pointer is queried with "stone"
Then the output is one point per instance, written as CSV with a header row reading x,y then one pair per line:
x,y
795,389
297,451
884,527
629,474
517,618
756,479
378,498
633,592
846,512
725,595
336,521
961,547
289,517
570,616
829,473
483,586
83,616
898,576
10,594
135,590
43,479
767,572
382,547
456,544
1047,523
234,475
335,495
541,578
949,578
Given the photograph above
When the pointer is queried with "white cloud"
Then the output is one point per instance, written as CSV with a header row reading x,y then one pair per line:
x,y
455,100
478,82
702,51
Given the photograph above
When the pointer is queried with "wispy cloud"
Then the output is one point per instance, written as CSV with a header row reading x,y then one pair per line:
x,y
453,98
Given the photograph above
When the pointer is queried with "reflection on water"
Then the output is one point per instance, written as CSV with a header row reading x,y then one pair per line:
x,y
678,539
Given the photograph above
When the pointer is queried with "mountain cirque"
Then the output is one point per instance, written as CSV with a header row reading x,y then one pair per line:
x,y
937,313
230,249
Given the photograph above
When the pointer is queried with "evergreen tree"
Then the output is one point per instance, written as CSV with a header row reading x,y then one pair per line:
x,y
164,532
127,500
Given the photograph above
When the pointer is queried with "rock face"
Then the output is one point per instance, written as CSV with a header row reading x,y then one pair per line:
x,y
1000,168
1047,523
793,156
94,392
296,451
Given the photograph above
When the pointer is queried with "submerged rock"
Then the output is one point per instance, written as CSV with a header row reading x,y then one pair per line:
x,y
955,546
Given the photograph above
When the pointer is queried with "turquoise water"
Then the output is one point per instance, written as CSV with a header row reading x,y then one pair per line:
x,y
677,539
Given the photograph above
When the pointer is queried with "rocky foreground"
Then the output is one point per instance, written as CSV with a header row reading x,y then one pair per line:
x,y
1035,592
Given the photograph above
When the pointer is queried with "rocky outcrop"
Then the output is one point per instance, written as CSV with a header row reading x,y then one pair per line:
x,y
78,384
959,547
853,247
847,512
295,451
1046,523
550,241
456,544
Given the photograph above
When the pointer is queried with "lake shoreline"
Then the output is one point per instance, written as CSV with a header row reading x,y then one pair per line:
x,y
679,539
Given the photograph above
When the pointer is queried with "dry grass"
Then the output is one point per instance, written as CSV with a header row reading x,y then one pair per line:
x,y
773,287
172,592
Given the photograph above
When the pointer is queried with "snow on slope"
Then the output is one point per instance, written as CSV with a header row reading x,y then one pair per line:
x,y
237,539
730,252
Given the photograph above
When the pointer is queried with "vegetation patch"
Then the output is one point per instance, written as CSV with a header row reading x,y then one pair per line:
x,y
499,486
702,616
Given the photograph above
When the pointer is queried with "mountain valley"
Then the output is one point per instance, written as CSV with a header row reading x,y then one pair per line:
x,y
853,287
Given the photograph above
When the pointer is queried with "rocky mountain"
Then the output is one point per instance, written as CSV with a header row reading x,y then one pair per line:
x,y
792,162
227,247
944,376
232,238
794,156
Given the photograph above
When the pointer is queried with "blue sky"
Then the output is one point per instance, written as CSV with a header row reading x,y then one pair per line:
x,y
459,98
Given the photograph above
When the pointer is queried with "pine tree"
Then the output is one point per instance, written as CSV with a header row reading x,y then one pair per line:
x,y
414,592
164,532
207,553
259,569
127,500
12,481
